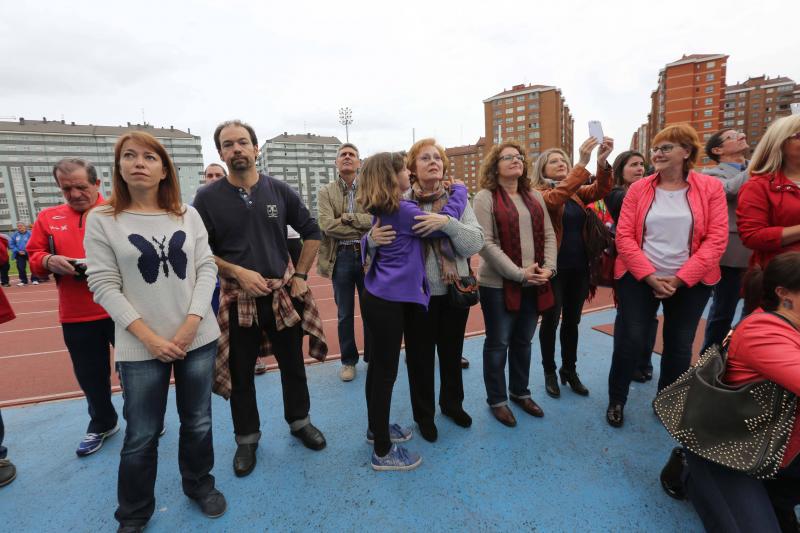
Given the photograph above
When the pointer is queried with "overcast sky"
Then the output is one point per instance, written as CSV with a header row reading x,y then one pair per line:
x,y
289,66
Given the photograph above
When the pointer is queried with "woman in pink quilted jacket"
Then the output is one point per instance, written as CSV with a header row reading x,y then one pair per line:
x,y
671,233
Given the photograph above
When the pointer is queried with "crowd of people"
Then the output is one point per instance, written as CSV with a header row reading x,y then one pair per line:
x,y
205,291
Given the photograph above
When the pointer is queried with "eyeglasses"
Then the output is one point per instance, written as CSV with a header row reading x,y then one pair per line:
x,y
664,149
735,136
427,158
518,157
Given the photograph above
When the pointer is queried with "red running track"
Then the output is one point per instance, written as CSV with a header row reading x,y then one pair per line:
x,y
35,365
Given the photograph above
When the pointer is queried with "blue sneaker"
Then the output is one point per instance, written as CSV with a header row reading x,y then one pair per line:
x,y
94,441
398,458
397,433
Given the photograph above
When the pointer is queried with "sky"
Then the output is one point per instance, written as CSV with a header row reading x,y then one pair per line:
x,y
400,66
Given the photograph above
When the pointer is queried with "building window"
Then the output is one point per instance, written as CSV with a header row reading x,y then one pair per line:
x,y
521,98
710,101
729,114
533,106
710,64
742,95
710,76
709,88
521,118
509,120
707,125
509,111
740,122
770,90
533,135
521,128
708,112
520,108
509,129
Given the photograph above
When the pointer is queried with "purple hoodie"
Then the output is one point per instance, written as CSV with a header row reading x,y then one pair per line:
x,y
397,272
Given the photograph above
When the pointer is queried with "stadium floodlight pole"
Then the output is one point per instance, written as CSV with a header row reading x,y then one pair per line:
x,y
345,119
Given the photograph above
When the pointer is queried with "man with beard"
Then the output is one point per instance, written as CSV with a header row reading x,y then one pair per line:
x,y
246,216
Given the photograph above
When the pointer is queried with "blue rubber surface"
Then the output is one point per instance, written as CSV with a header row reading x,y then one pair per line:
x,y
568,471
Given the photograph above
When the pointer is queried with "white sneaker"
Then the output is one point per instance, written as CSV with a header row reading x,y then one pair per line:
x,y
347,373
20,284
35,283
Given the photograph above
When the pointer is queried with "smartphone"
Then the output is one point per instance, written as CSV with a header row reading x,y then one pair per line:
x,y
596,130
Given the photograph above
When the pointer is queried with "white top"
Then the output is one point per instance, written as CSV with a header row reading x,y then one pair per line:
x,y
667,230
152,266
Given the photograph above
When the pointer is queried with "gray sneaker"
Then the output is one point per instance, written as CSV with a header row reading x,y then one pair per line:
x,y
398,458
348,372
397,433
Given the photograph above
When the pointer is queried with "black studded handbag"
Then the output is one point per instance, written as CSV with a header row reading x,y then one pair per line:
x,y
745,428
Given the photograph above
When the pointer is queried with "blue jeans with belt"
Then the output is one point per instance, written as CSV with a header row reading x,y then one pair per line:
x,y
508,337
146,385
347,278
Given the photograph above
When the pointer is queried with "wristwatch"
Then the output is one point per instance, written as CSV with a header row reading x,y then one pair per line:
x,y
554,272
304,277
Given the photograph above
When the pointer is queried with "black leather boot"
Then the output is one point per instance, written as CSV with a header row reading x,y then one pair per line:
x,y
551,385
671,474
571,377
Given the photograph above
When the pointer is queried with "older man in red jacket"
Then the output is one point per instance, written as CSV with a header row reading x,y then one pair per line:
x,y
56,245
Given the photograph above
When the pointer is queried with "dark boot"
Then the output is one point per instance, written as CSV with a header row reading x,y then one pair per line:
x,y
571,377
671,474
551,385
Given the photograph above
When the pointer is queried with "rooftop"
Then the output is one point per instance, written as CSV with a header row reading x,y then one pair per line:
x,y
466,149
306,138
696,58
70,128
521,89
764,80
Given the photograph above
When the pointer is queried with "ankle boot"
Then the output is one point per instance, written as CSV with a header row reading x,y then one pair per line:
x,y
551,385
571,377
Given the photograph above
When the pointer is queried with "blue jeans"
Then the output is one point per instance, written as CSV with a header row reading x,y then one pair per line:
x,y
508,336
347,278
727,500
3,450
725,298
633,327
146,384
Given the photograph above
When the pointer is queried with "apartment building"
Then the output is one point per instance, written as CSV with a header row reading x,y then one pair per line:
x,y
536,116
30,148
304,161
465,163
753,105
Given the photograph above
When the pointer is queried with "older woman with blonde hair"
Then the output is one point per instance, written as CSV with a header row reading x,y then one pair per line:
x,y
671,233
440,329
768,211
566,191
517,264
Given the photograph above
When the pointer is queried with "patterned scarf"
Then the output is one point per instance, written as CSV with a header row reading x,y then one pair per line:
x,y
441,247
507,218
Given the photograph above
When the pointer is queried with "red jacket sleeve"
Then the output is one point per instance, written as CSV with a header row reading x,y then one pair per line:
x,y
771,348
713,243
752,217
3,251
628,248
38,247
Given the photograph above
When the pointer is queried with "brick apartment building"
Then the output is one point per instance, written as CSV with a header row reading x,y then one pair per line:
x,y
534,115
753,105
465,163
690,90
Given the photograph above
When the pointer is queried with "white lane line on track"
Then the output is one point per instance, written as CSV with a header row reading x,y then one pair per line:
x,y
31,354
37,312
30,329
32,301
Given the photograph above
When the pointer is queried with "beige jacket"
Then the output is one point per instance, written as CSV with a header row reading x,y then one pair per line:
x,y
337,224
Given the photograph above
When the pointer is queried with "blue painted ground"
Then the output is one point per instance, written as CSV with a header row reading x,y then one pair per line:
x,y
569,471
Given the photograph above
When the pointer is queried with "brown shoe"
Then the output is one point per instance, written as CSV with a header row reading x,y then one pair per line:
x,y
529,406
504,415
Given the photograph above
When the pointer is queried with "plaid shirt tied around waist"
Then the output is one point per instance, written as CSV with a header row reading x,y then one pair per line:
x,y
285,314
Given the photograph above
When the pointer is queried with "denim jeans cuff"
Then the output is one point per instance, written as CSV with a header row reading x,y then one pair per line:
x,y
520,396
299,424
500,404
252,438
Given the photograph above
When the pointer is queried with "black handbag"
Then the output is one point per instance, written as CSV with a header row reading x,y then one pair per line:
x,y
745,428
463,293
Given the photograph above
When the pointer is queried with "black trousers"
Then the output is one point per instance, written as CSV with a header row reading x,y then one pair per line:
x,y
4,269
386,321
88,344
440,329
570,289
244,348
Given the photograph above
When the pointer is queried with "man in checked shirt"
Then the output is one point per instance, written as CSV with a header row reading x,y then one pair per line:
x,y
343,222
